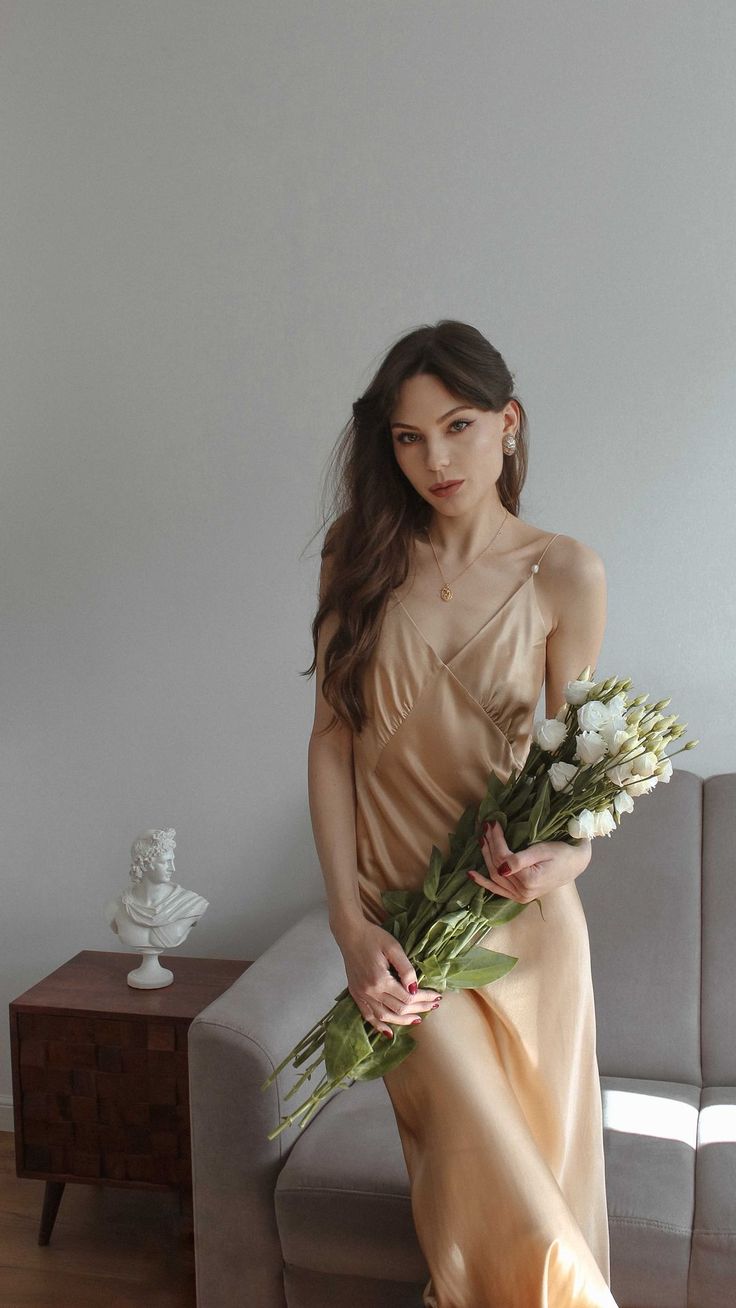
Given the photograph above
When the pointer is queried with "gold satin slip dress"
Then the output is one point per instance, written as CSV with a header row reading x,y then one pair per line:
x,y
499,1105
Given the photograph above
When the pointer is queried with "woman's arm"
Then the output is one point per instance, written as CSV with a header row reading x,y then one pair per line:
x,y
331,783
575,584
575,594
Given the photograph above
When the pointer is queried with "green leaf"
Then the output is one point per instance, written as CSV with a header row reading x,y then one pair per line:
x,y
539,810
386,1055
495,788
516,803
466,825
396,900
397,925
434,933
346,1041
496,911
427,964
431,970
477,902
452,919
478,967
463,832
493,798
490,811
432,879
517,836
463,896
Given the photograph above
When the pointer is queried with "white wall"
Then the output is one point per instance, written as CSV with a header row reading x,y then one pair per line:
x,y
216,217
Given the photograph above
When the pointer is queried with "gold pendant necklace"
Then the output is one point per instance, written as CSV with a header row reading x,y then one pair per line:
x,y
446,593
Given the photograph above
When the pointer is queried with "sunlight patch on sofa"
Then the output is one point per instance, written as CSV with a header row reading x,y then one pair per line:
x,y
718,1124
635,1113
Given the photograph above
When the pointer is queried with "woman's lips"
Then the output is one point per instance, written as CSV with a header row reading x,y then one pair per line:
x,y
448,490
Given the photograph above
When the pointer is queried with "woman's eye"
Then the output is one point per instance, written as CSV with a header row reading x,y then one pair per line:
x,y
465,422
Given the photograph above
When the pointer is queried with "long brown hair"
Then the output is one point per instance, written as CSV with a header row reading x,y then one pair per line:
x,y
375,509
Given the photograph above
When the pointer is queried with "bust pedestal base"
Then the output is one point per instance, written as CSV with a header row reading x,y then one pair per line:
x,y
150,975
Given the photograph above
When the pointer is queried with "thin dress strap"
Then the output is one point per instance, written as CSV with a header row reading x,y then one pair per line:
x,y
535,566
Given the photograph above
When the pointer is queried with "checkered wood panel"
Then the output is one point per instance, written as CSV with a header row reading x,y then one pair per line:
x,y
105,1098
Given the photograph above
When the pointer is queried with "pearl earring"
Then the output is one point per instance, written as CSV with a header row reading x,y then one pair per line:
x,y
509,444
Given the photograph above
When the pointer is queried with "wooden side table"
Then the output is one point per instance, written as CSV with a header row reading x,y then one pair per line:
x,y
101,1077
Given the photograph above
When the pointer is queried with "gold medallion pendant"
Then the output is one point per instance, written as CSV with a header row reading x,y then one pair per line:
x,y
446,593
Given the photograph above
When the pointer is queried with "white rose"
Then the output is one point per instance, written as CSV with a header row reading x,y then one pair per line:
x,y
644,764
590,747
642,787
576,692
561,774
623,803
617,704
616,734
593,714
619,773
582,827
549,733
605,822
664,770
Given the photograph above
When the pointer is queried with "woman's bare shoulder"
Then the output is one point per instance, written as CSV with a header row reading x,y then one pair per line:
x,y
567,557
571,574
564,555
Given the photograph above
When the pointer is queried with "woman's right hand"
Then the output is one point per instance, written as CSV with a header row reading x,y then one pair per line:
x,y
367,951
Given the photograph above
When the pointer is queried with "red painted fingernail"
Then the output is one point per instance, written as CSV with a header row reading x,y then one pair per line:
x,y
416,1019
485,827
494,823
388,1034
471,874
412,987
504,869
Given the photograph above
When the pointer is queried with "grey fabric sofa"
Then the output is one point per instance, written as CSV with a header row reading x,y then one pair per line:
x,y
322,1216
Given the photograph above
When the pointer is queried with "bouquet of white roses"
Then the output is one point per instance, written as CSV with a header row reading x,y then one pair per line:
x,y
583,770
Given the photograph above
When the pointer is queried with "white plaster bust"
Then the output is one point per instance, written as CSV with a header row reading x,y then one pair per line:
x,y
153,913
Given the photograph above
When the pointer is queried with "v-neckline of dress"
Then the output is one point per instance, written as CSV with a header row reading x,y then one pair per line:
x,y
447,663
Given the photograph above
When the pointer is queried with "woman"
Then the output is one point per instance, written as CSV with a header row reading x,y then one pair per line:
x,y
442,615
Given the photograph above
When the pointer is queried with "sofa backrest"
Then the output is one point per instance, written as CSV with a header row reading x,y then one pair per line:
x,y
642,895
718,1014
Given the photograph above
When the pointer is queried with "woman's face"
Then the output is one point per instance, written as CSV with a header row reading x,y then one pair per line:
x,y
438,438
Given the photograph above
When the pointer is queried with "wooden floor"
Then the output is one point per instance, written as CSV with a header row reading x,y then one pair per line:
x,y
110,1247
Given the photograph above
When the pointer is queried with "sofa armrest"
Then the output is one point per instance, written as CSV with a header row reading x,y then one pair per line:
x,y
234,1045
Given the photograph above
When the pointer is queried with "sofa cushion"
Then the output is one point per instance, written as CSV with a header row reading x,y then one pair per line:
x,y
650,1133
641,894
719,930
343,1205
713,1262
320,1290
342,1198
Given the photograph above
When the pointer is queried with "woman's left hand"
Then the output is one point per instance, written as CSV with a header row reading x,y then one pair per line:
x,y
532,871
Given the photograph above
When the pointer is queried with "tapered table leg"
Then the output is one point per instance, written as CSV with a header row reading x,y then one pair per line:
x,y
51,1200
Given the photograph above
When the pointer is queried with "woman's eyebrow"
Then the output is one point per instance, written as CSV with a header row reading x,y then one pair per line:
x,y
442,419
